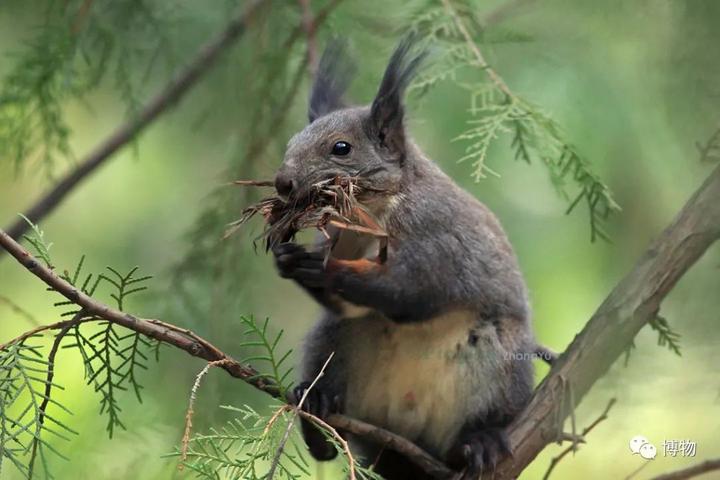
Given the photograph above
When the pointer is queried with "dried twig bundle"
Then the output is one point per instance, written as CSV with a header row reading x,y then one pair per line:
x,y
330,202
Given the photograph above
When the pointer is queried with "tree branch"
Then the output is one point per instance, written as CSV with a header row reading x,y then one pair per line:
x,y
19,310
185,442
298,408
554,462
710,150
694,471
49,384
182,82
502,12
198,347
309,27
633,303
479,57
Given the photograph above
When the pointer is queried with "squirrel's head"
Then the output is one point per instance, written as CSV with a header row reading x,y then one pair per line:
x,y
367,143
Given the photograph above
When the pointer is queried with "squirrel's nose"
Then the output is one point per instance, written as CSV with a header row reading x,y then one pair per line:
x,y
283,185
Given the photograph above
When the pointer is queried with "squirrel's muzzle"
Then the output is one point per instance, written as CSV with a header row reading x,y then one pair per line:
x,y
283,184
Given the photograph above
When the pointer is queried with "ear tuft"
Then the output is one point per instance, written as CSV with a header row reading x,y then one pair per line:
x,y
332,79
387,112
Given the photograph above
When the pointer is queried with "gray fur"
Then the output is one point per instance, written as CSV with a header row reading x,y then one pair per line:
x,y
333,77
449,307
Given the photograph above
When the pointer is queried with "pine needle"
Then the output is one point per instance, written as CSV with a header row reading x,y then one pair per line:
x,y
329,202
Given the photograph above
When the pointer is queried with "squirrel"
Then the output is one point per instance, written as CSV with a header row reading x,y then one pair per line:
x,y
433,343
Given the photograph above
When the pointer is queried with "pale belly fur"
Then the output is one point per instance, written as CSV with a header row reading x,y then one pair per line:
x,y
421,380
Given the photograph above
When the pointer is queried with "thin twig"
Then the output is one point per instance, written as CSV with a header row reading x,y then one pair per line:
x,y
343,443
288,429
634,473
191,410
182,82
319,19
44,328
268,426
19,310
503,11
157,329
569,437
694,471
573,422
196,346
710,151
81,16
482,63
329,202
576,440
309,27
170,95
254,183
48,384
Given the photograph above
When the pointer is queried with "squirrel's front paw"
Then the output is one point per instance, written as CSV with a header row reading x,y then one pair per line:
x,y
316,402
293,261
479,452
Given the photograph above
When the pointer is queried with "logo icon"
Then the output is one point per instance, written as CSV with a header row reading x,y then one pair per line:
x,y
648,451
640,445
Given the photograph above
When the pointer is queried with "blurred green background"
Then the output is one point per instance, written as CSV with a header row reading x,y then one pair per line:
x,y
634,84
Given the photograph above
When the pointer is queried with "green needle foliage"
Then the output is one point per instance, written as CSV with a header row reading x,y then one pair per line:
x,y
247,446
79,45
667,337
24,399
35,238
31,119
258,338
117,43
112,357
496,111
244,448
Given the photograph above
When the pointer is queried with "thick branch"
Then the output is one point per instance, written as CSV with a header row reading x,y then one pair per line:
x,y
634,301
181,83
198,347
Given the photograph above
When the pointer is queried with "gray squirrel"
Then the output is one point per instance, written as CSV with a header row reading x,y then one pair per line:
x,y
433,343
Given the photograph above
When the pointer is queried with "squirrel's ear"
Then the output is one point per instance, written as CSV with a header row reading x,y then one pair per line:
x,y
387,112
332,79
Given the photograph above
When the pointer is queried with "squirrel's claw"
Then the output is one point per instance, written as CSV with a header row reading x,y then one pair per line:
x,y
293,261
316,403
480,452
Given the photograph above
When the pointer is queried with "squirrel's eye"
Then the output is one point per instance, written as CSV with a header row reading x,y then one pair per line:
x,y
341,149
